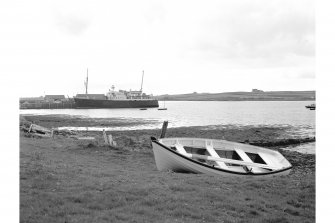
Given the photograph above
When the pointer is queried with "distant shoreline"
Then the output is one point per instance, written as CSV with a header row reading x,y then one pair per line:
x,y
237,99
242,96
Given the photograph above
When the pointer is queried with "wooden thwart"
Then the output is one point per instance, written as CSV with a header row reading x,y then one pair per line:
x,y
243,155
210,149
180,148
246,158
239,162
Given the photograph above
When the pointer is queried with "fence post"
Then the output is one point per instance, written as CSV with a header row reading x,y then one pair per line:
x,y
105,136
165,124
30,128
110,140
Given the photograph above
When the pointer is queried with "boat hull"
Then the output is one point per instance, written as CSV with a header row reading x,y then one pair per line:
x,y
168,159
99,103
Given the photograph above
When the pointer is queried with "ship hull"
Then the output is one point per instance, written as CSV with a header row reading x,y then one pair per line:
x,y
99,103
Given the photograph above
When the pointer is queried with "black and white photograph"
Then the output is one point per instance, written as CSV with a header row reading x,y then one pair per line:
x,y
162,111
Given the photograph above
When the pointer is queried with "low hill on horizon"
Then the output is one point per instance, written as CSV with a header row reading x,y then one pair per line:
x,y
242,96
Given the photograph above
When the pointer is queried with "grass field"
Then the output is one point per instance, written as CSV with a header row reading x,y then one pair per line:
x,y
68,180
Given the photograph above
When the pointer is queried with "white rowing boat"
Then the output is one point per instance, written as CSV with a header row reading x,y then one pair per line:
x,y
217,157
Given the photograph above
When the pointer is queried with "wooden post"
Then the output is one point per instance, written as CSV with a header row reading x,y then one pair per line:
x,y
105,136
165,124
110,140
52,133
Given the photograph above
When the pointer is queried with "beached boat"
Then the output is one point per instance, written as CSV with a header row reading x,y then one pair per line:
x,y
217,157
311,106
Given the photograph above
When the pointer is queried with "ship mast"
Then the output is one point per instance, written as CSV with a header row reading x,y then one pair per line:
x,y
142,83
86,82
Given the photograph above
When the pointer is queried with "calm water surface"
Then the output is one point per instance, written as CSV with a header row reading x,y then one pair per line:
x,y
202,113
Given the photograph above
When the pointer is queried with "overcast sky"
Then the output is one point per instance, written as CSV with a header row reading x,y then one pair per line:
x,y
182,46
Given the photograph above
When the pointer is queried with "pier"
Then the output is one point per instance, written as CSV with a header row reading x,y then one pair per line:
x,y
48,105
47,102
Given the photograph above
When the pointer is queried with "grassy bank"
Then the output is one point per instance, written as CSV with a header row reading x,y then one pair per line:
x,y
243,96
68,180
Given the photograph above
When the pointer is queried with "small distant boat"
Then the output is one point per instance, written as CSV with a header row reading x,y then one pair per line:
x,y
217,157
143,109
311,106
163,107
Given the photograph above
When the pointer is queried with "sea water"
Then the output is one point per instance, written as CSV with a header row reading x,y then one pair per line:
x,y
204,113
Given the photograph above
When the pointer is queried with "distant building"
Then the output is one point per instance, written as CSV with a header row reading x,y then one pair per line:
x,y
54,98
256,91
31,100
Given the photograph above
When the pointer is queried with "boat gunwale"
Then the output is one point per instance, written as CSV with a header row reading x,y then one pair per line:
x,y
220,140
154,140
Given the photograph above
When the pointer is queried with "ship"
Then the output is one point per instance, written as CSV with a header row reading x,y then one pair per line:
x,y
115,99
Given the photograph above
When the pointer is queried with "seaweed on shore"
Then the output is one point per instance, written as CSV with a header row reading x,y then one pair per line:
x,y
283,142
